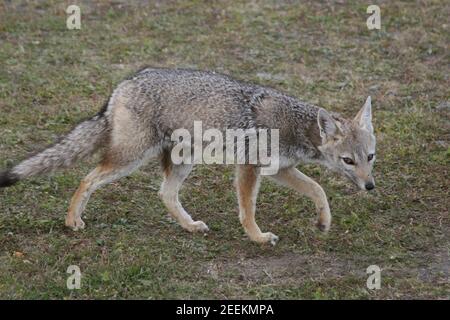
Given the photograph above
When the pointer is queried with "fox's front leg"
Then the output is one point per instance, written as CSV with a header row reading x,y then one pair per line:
x,y
247,185
296,180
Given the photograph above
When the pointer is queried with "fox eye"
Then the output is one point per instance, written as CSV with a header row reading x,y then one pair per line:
x,y
370,157
348,161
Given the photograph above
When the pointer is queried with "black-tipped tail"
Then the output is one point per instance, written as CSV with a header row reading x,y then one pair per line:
x,y
7,179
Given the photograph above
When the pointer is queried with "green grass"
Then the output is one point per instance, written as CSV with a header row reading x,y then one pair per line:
x,y
51,78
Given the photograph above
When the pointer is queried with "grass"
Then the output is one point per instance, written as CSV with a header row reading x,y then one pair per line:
x,y
51,78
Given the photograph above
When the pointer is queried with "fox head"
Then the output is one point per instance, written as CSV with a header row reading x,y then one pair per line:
x,y
348,146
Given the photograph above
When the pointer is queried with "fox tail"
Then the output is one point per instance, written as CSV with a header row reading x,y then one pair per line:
x,y
86,138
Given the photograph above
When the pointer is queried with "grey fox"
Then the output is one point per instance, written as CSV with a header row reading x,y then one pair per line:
x,y
136,123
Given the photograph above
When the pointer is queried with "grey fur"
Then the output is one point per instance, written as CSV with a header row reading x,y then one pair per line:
x,y
145,109
162,100
155,101
80,143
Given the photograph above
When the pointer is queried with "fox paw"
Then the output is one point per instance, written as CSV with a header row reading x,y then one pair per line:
x,y
267,237
198,226
75,224
323,226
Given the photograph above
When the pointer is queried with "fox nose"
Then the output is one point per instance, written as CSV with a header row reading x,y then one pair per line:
x,y
369,186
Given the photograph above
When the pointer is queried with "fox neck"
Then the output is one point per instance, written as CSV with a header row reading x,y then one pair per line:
x,y
309,142
308,152
312,156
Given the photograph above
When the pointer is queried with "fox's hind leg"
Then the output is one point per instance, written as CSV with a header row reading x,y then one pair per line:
x,y
105,173
174,175
131,142
247,185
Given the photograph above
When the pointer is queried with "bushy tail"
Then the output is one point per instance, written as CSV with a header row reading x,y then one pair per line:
x,y
79,143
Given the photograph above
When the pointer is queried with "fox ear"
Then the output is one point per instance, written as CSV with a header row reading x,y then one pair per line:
x,y
327,125
364,116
